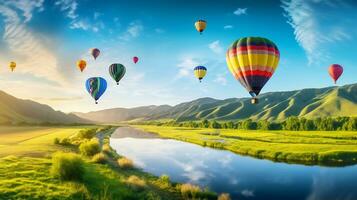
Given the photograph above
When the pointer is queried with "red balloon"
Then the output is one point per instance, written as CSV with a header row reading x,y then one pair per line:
x,y
335,71
135,59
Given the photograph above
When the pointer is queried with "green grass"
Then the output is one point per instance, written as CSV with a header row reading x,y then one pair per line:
x,y
306,147
25,170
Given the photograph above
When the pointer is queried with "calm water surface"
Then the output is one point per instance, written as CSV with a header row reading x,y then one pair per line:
x,y
242,177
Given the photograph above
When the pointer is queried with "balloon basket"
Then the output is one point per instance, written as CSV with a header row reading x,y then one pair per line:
x,y
254,101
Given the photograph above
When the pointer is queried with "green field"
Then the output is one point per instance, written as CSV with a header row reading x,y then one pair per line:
x,y
305,147
25,163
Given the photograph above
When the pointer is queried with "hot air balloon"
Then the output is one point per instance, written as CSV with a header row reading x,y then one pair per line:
x,y
135,59
96,87
95,53
335,71
200,25
117,71
81,64
200,72
252,61
12,66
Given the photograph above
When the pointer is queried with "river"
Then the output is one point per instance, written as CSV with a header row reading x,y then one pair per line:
x,y
241,176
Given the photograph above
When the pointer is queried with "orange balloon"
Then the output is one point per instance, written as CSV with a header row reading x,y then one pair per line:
x,y
81,64
12,66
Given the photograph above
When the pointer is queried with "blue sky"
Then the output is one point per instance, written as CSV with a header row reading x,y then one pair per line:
x,y
47,37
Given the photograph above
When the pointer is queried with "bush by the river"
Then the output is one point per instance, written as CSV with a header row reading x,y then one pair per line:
x,y
87,133
100,158
90,147
125,163
224,196
67,166
136,183
190,191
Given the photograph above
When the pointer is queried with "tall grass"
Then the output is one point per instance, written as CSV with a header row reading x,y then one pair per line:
x,y
136,183
67,166
100,158
125,163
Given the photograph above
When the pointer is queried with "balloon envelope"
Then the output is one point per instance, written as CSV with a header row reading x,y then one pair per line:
x,y
252,61
200,25
335,71
95,53
117,71
96,87
200,72
12,66
81,64
135,59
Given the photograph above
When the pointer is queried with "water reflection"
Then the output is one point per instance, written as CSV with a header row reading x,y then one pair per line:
x,y
242,177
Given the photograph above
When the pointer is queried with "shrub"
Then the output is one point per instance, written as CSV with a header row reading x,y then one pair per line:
x,y
165,180
224,196
87,133
106,148
65,141
67,166
89,148
189,191
100,158
125,163
136,183
56,141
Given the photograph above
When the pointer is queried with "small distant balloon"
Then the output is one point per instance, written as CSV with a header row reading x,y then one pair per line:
x,y
200,25
81,64
95,53
335,71
96,87
135,59
12,66
117,72
200,72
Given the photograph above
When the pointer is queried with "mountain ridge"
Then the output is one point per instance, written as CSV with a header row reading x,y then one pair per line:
x,y
331,101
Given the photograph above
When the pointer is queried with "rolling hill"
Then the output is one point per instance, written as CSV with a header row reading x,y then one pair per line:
x,y
308,103
14,110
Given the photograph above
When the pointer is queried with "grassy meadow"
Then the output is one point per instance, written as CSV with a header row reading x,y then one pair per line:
x,y
26,162
304,147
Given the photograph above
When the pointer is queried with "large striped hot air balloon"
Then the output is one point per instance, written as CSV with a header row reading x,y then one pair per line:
x,y
335,71
117,71
252,61
200,72
96,87
200,25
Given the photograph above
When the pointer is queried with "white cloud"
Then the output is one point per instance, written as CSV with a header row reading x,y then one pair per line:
x,y
86,25
247,193
216,47
228,27
315,29
26,6
221,79
186,67
133,31
240,11
70,6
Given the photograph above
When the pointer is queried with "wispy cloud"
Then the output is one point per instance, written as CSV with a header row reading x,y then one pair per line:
x,y
228,27
240,11
186,67
133,31
216,47
247,193
221,79
26,6
315,29
69,6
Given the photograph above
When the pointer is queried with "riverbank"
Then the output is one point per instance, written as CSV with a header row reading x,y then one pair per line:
x,y
328,148
26,161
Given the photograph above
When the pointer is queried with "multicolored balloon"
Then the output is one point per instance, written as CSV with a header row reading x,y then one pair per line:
x,y
95,53
252,61
200,25
81,64
135,59
200,72
335,71
12,66
117,71
96,87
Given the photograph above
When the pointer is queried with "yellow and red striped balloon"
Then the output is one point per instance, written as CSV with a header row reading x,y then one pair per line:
x,y
252,61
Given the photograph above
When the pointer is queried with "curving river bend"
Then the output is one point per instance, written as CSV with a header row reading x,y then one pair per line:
x,y
224,171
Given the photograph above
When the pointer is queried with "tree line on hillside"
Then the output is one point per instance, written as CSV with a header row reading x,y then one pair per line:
x,y
291,124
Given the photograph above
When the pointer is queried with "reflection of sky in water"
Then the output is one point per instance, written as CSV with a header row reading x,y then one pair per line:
x,y
242,177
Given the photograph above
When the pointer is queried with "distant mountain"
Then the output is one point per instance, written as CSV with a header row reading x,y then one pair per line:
x,y
308,103
14,110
